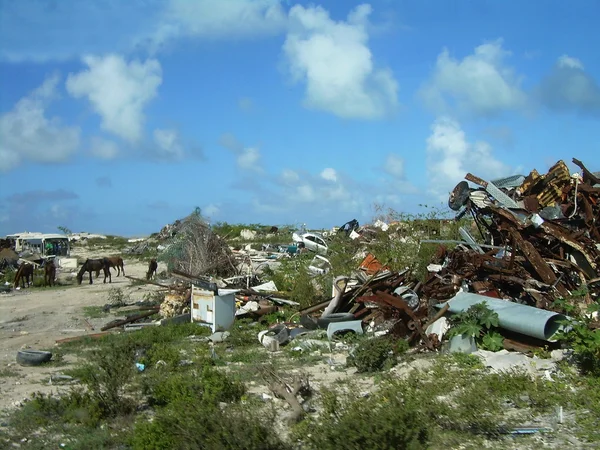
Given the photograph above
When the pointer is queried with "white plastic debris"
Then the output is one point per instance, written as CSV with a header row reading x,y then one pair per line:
x,y
440,327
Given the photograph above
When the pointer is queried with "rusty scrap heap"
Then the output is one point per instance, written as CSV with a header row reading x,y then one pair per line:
x,y
542,238
540,241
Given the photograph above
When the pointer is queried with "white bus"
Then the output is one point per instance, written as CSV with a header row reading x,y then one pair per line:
x,y
45,245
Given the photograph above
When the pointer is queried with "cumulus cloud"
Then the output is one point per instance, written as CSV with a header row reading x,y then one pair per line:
x,y
27,134
289,176
450,156
103,148
207,19
118,91
169,144
329,174
334,60
479,84
568,87
247,158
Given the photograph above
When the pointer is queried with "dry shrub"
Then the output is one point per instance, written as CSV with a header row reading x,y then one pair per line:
x,y
197,250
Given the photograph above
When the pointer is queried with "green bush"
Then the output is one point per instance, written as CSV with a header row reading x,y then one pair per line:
x,y
209,386
375,354
187,426
395,419
106,377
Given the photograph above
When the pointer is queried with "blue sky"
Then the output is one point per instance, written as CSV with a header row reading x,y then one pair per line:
x,y
119,117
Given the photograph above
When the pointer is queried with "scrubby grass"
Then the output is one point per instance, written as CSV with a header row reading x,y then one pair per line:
x,y
9,372
94,312
187,381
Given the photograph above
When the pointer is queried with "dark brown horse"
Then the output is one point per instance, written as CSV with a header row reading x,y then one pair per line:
x,y
152,267
49,273
95,265
25,272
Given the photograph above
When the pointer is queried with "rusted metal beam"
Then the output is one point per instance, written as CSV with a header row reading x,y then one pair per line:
x,y
82,337
399,303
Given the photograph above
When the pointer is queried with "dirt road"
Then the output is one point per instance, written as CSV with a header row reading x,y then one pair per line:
x,y
36,317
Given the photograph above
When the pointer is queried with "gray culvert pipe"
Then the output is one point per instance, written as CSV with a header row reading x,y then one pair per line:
x,y
527,320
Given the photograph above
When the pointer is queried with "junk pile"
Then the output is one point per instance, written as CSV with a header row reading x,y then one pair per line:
x,y
176,303
539,241
8,259
542,239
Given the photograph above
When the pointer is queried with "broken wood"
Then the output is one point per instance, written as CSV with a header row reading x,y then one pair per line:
x,y
131,319
80,338
152,282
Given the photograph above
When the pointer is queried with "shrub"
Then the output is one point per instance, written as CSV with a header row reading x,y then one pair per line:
x,y
372,355
395,419
106,376
210,386
185,425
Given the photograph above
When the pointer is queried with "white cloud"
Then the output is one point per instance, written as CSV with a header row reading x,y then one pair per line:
x,y
289,176
329,174
394,166
335,61
569,88
118,91
248,159
27,134
450,156
103,148
480,84
231,19
567,61
169,144
305,194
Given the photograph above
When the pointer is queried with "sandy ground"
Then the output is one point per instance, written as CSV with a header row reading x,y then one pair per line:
x,y
35,318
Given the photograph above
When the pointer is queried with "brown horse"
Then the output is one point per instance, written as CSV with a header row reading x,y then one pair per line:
x,y
95,265
49,273
25,272
152,267
117,263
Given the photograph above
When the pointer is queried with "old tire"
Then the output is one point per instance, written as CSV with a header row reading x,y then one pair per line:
x,y
335,317
33,357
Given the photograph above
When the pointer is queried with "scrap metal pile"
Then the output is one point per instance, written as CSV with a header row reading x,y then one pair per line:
x,y
382,300
540,241
542,236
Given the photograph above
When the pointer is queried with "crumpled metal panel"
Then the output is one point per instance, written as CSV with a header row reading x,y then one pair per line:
x,y
509,182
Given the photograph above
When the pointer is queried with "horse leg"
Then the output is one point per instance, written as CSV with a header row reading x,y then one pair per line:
x,y
107,274
90,272
123,269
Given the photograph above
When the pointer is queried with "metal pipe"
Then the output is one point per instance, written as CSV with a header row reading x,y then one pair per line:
x,y
527,320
